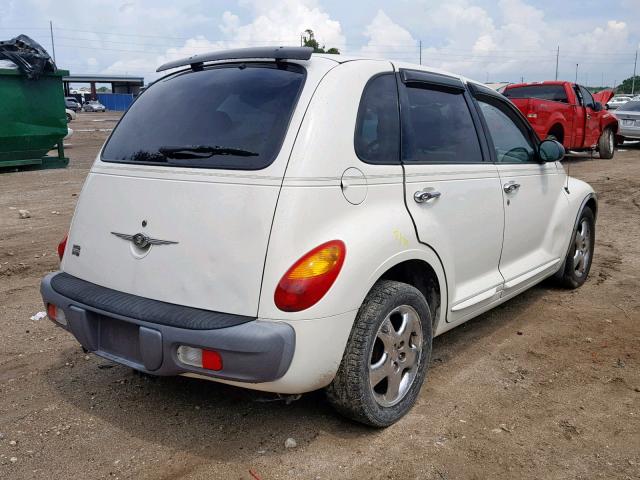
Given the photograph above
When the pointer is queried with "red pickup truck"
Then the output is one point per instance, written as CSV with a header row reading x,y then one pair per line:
x,y
568,113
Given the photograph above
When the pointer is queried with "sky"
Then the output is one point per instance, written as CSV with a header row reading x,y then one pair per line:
x,y
498,40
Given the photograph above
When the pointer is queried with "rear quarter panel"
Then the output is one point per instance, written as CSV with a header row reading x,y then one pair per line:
x,y
312,208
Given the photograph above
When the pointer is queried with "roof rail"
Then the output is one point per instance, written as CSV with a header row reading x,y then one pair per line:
x,y
276,53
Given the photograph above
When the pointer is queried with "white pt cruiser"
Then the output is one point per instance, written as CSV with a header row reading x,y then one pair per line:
x,y
286,222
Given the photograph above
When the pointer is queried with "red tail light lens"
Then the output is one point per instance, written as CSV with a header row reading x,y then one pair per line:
x,y
62,245
307,281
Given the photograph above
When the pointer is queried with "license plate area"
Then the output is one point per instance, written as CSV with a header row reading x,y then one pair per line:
x,y
118,338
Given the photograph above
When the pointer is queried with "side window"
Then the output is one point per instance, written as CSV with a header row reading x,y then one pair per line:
x,y
587,99
437,128
377,137
509,139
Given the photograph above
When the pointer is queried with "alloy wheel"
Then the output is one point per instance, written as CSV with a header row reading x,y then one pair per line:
x,y
582,252
395,356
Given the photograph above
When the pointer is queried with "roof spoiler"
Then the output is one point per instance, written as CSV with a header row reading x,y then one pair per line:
x,y
276,53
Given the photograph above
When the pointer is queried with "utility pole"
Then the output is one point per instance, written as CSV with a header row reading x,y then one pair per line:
x,y
557,58
420,47
576,74
53,46
633,79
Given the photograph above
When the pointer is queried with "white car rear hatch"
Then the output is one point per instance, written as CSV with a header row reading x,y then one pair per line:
x,y
179,204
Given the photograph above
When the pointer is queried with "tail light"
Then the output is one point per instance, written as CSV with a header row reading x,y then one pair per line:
x,y
307,281
62,245
199,357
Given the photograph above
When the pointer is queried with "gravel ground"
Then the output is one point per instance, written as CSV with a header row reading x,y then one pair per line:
x,y
545,386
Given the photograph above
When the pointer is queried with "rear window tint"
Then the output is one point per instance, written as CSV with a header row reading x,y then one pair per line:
x,y
438,128
229,116
633,106
377,138
555,93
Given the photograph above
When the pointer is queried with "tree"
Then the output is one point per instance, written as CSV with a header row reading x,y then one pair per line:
x,y
625,86
309,40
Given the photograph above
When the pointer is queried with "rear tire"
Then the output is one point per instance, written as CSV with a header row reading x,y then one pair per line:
x,y
386,358
580,256
606,144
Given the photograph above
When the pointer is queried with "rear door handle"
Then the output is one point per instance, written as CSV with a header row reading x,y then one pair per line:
x,y
511,187
422,196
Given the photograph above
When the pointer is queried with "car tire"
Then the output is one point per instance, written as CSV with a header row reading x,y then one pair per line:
x,y
399,314
580,254
606,144
69,118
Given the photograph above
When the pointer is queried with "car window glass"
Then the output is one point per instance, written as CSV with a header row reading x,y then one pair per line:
x,y
438,128
509,140
586,98
377,137
633,106
555,93
231,116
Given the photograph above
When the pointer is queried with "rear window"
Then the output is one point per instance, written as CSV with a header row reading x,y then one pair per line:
x,y
229,116
633,106
554,93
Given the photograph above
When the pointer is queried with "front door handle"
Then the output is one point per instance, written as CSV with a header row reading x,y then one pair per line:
x,y
422,196
511,187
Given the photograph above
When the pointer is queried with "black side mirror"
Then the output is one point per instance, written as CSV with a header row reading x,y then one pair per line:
x,y
550,151
597,107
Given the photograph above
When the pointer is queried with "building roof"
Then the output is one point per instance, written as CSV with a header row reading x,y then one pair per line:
x,y
104,79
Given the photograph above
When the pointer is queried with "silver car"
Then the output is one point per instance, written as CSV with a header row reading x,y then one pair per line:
x,y
93,106
618,101
629,117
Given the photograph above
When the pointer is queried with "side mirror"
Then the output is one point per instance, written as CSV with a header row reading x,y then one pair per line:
x,y
597,107
550,151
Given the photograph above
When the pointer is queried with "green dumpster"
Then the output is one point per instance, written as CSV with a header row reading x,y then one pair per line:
x,y
32,119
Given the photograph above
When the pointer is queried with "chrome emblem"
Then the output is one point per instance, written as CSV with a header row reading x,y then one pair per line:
x,y
140,240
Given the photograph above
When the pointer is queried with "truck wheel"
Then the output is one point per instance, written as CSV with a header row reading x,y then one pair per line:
x,y
386,358
606,143
580,256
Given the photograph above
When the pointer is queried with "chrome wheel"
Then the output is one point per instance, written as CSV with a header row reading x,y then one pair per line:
x,y
582,252
395,356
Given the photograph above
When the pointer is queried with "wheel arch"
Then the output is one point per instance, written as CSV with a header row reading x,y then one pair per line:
x,y
557,130
422,269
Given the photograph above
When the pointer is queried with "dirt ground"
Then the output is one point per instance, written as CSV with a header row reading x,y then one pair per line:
x,y
545,386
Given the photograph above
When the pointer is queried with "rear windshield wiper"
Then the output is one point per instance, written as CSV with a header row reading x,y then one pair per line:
x,y
203,151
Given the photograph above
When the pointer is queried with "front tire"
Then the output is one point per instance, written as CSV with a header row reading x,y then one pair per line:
x,y
386,358
580,256
606,144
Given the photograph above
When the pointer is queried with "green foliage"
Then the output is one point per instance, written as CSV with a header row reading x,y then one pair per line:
x,y
625,86
103,90
309,40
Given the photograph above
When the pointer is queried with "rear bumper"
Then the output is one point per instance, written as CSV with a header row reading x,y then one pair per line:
x,y
110,324
629,132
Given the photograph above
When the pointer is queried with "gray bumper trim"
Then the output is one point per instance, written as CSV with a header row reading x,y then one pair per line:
x,y
253,352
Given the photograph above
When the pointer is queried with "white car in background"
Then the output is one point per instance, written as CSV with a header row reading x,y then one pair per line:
x,y
629,120
617,101
70,114
287,222
93,106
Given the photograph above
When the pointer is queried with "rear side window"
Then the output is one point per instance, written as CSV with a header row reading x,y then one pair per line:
x,y
554,93
437,128
631,107
377,137
229,116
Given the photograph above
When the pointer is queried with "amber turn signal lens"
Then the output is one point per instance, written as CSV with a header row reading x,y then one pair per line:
x,y
309,279
62,245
